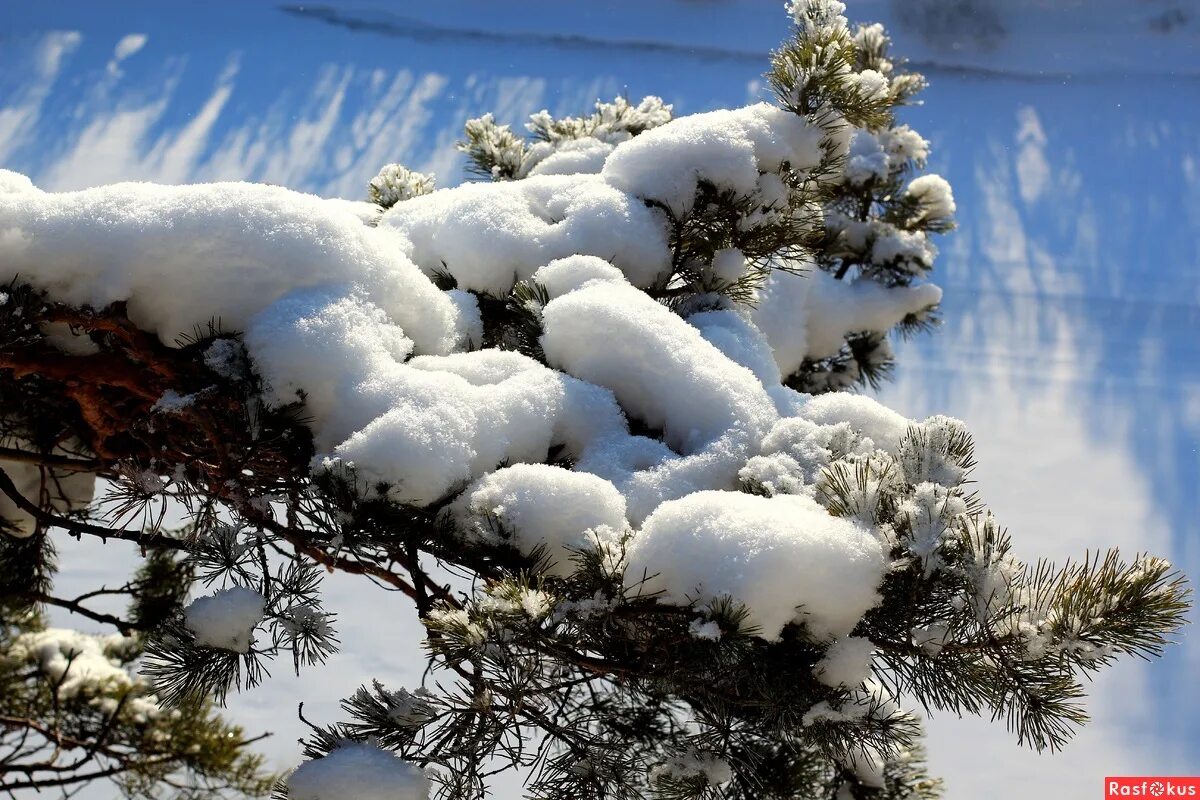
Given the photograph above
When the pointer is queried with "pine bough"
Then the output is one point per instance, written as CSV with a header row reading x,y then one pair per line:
x,y
580,414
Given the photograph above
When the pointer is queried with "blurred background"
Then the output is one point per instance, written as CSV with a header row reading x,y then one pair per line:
x,y
1070,130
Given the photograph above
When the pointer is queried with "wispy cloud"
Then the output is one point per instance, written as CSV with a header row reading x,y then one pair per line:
x,y
20,112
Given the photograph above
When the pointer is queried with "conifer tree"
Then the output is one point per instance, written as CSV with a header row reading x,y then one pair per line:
x,y
560,411
73,711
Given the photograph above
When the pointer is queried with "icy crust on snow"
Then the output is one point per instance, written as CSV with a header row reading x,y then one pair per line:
x,y
785,558
358,772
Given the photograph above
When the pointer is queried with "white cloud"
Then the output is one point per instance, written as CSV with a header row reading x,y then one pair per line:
x,y
1033,172
20,112
129,44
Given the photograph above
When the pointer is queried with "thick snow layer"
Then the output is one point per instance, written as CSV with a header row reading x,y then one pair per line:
x,y
727,148
489,235
867,160
337,314
182,255
539,505
88,667
785,558
836,308
808,445
934,195
737,337
910,249
226,619
661,369
12,182
564,275
82,662
808,314
711,411
421,426
347,318
358,772
574,156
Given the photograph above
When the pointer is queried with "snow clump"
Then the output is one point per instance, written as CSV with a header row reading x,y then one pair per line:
x,y
226,619
358,771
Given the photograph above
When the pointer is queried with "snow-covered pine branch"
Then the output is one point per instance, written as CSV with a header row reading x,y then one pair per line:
x,y
876,220
578,385
74,709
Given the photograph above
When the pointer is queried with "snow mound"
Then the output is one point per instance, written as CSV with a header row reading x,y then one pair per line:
x,y
711,411
358,771
576,156
564,275
490,235
869,418
808,314
539,505
226,619
785,558
182,255
727,148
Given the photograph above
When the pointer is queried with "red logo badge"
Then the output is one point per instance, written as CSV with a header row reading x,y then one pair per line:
x,y
1151,787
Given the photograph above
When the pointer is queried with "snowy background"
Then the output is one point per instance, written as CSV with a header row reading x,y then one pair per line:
x,y
1069,128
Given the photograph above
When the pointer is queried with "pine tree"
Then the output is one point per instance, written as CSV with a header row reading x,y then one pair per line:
x,y
559,411
74,711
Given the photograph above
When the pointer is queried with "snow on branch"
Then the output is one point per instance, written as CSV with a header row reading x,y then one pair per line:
x,y
579,385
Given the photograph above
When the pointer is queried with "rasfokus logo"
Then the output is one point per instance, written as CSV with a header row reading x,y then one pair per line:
x,y
1151,787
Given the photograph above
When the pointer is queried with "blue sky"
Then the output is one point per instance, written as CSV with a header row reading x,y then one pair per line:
x,y
1070,131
